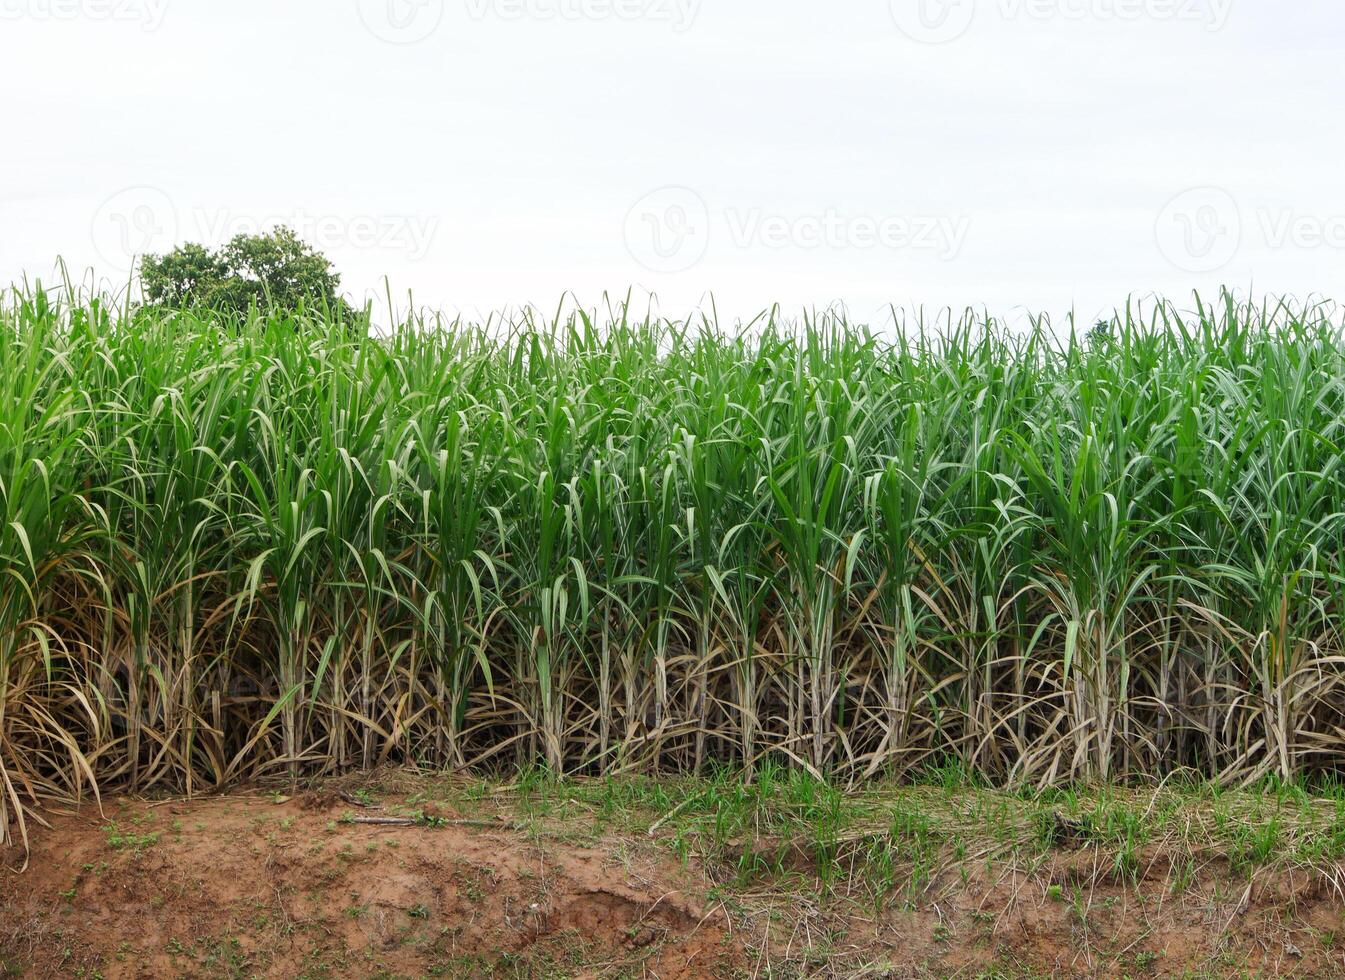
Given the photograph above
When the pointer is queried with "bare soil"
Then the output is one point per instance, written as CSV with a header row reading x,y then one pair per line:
x,y
267,885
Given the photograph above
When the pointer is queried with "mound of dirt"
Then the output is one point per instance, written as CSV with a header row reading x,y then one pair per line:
x,y
244,886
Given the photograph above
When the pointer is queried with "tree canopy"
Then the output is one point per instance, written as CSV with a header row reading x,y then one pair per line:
x,y
277,269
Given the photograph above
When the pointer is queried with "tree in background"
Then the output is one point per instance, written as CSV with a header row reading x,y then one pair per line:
x,y
277,269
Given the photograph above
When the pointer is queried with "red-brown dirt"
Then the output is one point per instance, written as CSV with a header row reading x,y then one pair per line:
x,y
257,884
242,886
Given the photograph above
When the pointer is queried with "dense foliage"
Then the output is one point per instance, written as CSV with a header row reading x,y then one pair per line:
x,y
275,270
250,546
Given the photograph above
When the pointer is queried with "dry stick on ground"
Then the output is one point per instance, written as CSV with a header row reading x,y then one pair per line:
x,y
418,822
354,800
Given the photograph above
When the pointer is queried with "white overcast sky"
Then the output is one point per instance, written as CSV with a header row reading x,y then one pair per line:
x,y
1011,154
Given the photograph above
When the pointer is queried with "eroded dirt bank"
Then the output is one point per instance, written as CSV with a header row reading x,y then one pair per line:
x,y
408,878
